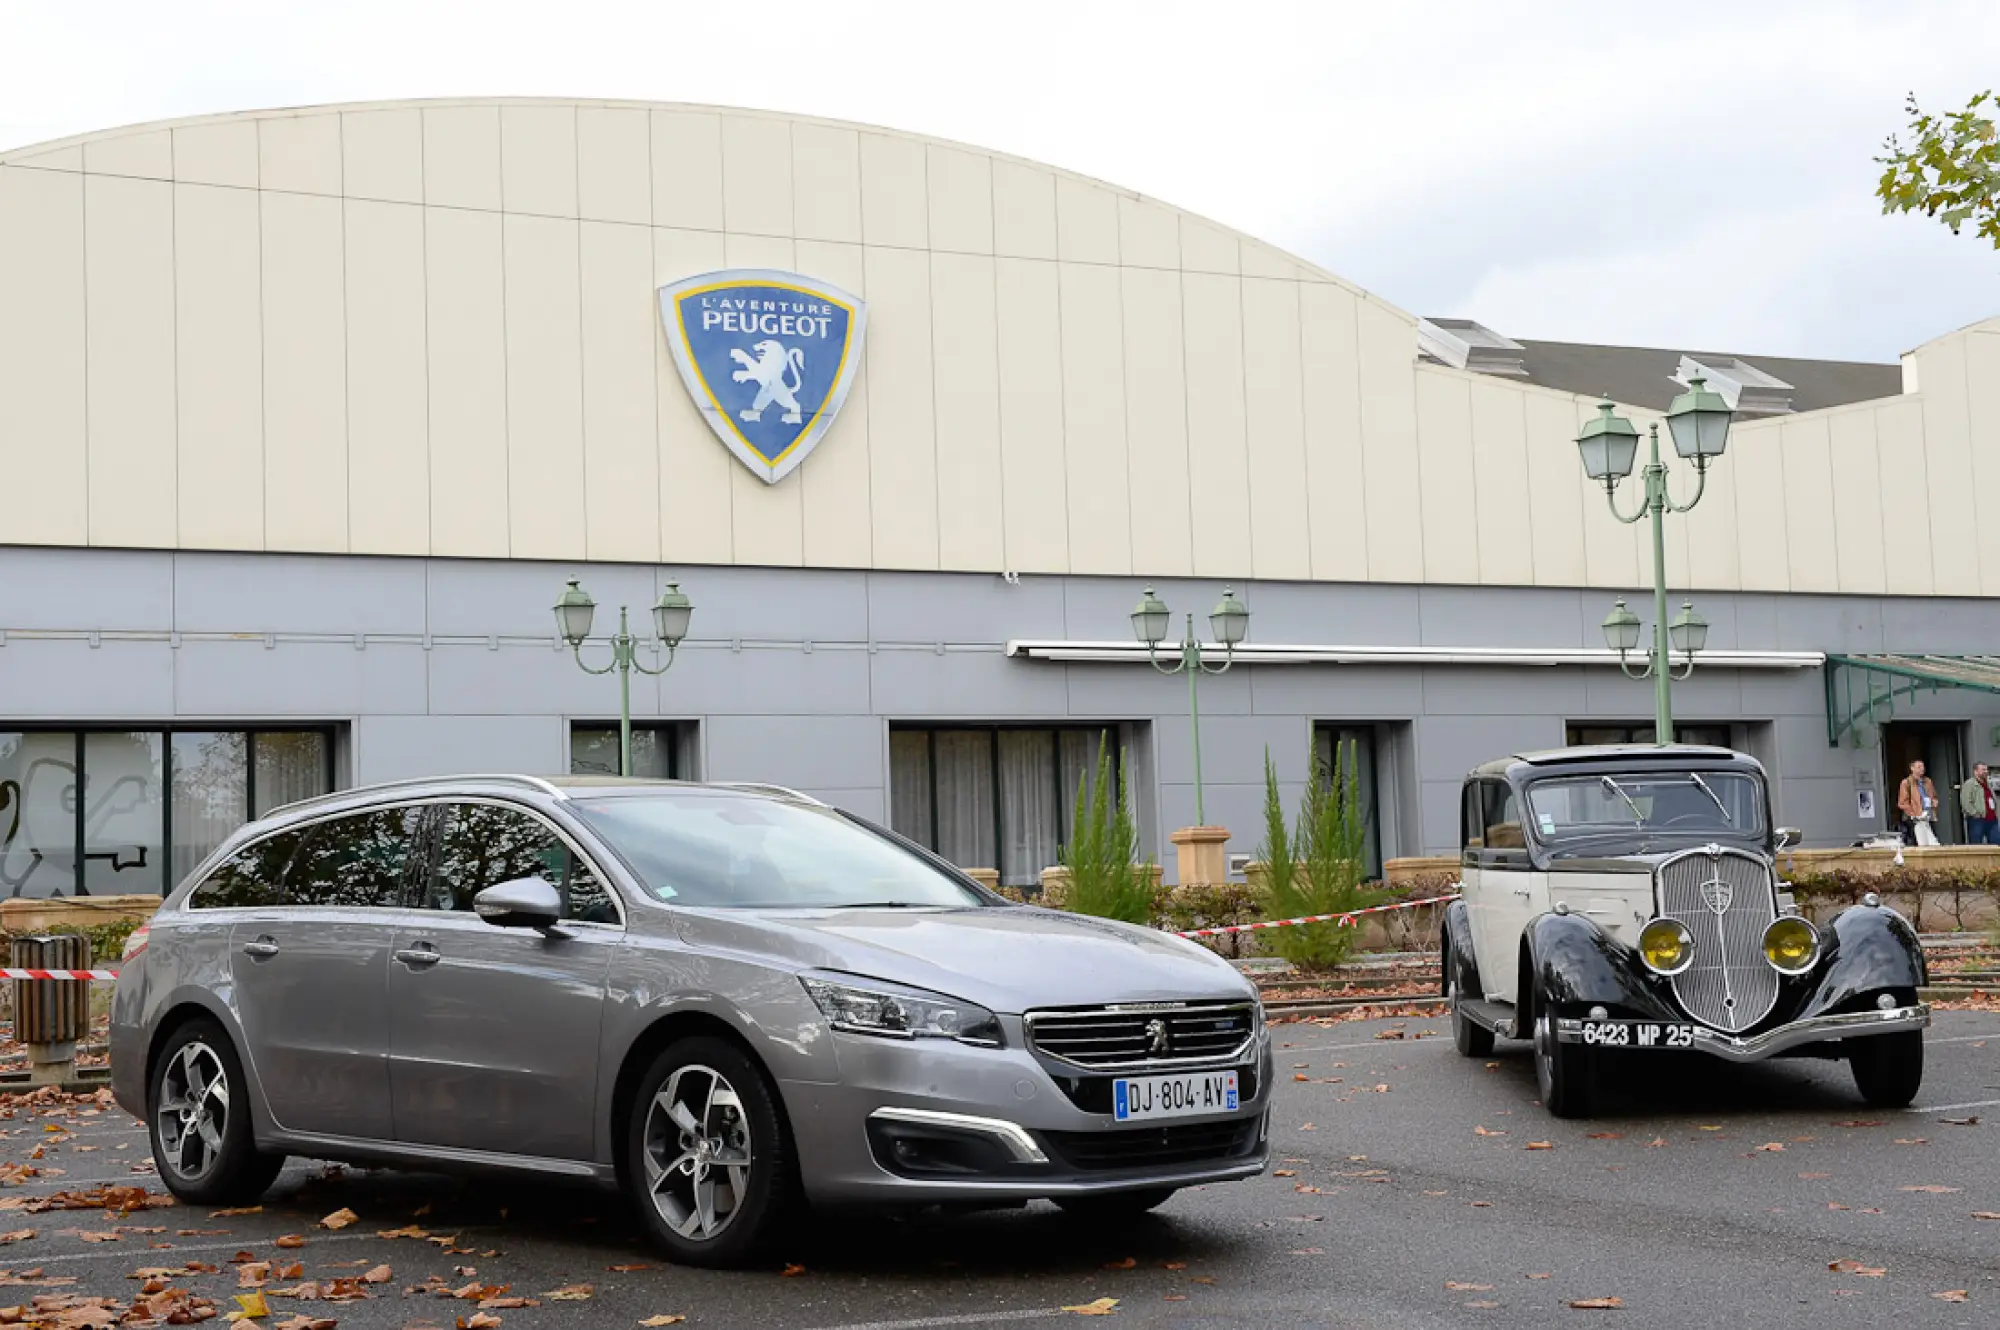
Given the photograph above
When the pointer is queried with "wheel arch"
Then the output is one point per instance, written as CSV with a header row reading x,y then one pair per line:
x,y
1462,951
640,1054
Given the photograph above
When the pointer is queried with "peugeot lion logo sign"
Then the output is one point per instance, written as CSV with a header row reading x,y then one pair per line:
x,y
1716,895
768,356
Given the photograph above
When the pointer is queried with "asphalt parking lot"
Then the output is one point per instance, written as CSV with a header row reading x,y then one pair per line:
x,y
1411,1188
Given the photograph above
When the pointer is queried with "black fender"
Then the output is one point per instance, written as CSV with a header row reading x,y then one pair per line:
x,y
1574,962
1868,948
1458,929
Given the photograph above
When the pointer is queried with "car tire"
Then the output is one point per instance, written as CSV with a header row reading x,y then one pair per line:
x,y
702,1106
1888,1068
1117,1204
1565,1073
198,1119
1472,1039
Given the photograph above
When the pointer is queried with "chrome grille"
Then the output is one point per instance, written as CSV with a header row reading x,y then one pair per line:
x,y
1143,1035
1730,985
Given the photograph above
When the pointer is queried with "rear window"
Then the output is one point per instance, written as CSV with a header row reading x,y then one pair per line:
x,y
362,860
252,876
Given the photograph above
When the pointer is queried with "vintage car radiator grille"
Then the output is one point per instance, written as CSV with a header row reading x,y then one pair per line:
x,y
1726,900
1163,1035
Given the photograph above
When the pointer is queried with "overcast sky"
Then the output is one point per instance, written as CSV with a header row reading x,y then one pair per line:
x,y
1695,175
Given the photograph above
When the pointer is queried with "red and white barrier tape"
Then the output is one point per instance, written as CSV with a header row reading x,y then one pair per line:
x,y
1344,920
57,974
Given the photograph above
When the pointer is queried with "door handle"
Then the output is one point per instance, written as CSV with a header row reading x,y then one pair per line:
x,y
263,948
1523,892
420,956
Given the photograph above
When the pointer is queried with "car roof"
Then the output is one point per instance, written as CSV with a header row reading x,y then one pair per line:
x,y
563,788
1621,755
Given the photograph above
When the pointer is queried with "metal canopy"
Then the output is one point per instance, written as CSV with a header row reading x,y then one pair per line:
x,y
1884,678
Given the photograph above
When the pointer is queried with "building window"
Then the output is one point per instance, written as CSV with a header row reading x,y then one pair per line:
x,y
1587,733
105,812
1355,743
656,750
1000,797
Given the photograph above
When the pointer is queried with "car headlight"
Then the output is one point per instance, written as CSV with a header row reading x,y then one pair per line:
x,y
901,1013
1666,946
1791,945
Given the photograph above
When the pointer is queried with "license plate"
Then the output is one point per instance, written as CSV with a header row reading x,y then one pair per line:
x,y
1184,1094
1638,1034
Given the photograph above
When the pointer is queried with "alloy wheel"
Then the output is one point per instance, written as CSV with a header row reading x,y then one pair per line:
x,y
697,1153
193,1113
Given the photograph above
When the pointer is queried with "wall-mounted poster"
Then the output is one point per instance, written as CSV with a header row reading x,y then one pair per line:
x,y
1864,804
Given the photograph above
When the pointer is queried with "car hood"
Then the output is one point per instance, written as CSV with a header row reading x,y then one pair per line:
x,y
1009,959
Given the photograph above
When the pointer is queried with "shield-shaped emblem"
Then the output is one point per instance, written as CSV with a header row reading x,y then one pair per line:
x,y
768,357
1716,895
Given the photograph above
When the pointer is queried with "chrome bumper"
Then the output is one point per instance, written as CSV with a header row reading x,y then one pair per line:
x,y
1817,1029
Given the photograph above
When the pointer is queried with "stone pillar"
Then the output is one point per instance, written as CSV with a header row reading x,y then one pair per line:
x,y
988,878
1202,854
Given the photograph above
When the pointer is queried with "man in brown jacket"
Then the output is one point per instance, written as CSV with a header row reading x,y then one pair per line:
x,y
1916,800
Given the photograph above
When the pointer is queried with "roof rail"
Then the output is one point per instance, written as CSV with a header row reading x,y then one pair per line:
x,y
536,783
768,788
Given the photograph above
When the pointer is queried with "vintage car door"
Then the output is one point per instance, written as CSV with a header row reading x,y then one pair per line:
x,y
1510,892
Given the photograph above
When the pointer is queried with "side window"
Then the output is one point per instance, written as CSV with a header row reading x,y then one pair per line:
x,y
483,845
1471,821
357,861
254,875
1502,817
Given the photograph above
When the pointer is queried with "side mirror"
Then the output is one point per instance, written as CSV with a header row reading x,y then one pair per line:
x,y
1789,836
527,902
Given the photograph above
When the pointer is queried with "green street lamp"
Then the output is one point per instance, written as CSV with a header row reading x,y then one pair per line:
x,y
1229,621
574,611
1698,421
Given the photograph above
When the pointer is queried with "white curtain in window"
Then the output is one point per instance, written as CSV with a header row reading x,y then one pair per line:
x,y
210,794
1029,822
289,765
910,786
965,797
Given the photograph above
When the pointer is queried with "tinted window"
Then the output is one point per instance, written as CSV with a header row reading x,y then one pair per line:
x,y
483,845
254,875
362,860
703,848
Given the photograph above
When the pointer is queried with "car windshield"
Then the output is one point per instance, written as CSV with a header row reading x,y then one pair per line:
x,y
696,847
1706,803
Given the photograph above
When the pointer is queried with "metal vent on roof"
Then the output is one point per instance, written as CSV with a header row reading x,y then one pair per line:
x,y
1748,390
1468,344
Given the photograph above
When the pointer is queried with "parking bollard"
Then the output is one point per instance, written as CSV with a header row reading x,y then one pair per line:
x,y
51,1015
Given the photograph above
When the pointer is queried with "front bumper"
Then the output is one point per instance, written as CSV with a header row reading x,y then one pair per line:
x,y
994,1126
1812,1030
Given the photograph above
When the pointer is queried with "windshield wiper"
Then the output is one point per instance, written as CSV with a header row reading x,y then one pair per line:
x,y
884,905
1638,814
1720,807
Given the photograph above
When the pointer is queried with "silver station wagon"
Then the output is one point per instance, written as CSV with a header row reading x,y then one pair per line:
x,y
728,1000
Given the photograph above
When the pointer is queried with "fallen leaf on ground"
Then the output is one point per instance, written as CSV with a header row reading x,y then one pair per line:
x,y
306,1323
1482,1205
627,1269
411,1231
237,1212
1849,1266
1484,1131
1986,1214
1930,1187
381,1274
18,1235
571,1293
663,1320
1128,1263
792,1270
1953,1295
1100,1307
1543,1276
1716,1127
1173,1265
478,1321
1455,1286
1605,1135
291,1240
253,1304
1863,1122
1911,1140
339,1219
1482,1305
1770,1147
1596,1304
1284,1172
1961,1122
1656,1142
1539,1145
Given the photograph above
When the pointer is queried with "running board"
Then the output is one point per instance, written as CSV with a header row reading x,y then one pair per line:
x,y
1495,1016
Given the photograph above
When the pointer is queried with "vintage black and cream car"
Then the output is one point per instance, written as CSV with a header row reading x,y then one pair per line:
x,y
1621,901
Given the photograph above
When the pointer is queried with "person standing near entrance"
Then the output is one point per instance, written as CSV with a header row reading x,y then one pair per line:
x,y
1982,817
1916,800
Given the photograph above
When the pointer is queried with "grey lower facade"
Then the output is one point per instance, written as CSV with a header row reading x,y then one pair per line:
x,y
806,678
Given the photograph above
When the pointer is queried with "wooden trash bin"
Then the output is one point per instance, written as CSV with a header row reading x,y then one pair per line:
x,y
51,1015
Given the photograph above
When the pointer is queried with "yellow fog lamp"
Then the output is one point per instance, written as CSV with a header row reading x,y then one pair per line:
x,y
1666,946
1791,945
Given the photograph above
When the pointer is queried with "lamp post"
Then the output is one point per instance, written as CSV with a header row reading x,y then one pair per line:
x,y
1698,420
574,611
1230,620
